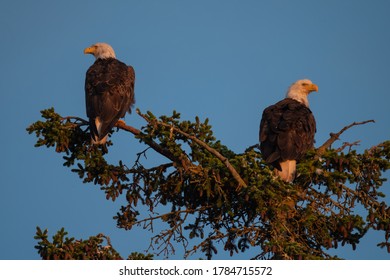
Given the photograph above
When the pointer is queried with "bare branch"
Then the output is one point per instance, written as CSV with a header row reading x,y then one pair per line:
x,y
347,144
77,120
335,136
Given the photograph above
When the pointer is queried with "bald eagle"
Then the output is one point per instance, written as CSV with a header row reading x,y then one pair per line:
x,y
287,130
109,91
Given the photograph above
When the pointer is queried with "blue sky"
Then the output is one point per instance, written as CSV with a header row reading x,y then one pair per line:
x,y
225,60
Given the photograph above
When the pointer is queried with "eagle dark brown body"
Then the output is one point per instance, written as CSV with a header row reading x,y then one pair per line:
x,y
109,94
287,130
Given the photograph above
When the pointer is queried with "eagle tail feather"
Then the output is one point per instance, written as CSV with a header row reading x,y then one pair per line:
x,y
97,141
288,170
98,136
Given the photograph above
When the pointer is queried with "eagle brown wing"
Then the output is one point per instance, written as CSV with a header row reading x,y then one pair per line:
x,y
287,131
131,97
109,94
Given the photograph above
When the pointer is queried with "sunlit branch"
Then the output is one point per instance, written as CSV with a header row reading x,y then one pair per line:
x,y
223,159
335,136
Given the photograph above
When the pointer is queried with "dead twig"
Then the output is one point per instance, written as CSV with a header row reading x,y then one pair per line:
x,y
335,136
77,120
347,144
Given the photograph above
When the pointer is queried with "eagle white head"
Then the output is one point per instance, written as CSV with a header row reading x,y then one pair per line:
x,y
300,90
100,50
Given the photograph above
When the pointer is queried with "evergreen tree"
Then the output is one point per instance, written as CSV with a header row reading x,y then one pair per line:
x,y
214,194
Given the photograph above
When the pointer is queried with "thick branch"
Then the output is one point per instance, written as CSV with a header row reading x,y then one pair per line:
x,y
151,143
122,125
335,136
184,162
223,159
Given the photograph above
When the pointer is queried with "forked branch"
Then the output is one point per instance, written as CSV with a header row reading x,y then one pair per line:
x,y
335,136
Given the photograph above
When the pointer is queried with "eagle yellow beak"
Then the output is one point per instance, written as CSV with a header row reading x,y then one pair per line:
x,y
312,87
90,50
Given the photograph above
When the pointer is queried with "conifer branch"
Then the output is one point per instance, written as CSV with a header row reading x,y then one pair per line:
x,y
153,145
297,221
214,152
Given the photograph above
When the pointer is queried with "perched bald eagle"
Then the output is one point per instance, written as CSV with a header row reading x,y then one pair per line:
x,y
109,91
287,130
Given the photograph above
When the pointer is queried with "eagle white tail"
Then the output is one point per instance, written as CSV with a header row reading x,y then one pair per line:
x,y
95,138
99,142
288,170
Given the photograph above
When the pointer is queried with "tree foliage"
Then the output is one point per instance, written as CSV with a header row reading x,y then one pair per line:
x,y
213,195
64,248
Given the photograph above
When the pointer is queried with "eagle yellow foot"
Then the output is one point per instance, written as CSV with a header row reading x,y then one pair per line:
x,y
120,123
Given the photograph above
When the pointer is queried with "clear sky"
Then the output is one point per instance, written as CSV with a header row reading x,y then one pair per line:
x,y
226,60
